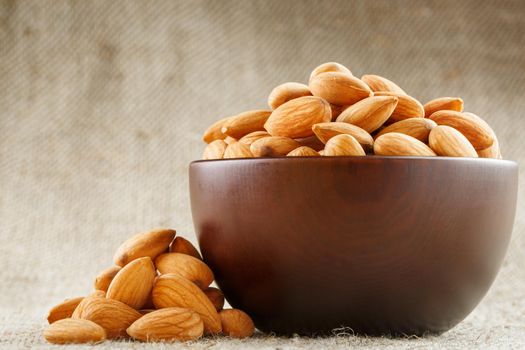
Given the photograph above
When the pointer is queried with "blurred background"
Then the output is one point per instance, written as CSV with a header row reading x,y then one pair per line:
x,y
103,104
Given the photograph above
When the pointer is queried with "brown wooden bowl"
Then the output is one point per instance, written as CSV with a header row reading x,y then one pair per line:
x,y
383,245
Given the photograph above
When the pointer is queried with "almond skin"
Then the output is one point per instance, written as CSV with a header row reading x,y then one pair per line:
x,y
237,150
245,123
443,103
105,277
273,146
339,88
186,266
151,243
449,142
112,315
183,246
379,83
175,291
325,131
169,324
216,297
214,131
295,118
63,310
303,151
418,128
254,136
475,129
329,67
236,323
407,106
493,151
397,144
132,285
370,113
70,331
215,150
286,92
343,145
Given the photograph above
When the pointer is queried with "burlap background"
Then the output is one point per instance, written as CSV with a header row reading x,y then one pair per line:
x,y
102,105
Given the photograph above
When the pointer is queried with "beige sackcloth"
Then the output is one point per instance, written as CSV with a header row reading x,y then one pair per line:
x,y
103,103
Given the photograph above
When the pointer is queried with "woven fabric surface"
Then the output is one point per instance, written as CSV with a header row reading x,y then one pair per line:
x,y
103,103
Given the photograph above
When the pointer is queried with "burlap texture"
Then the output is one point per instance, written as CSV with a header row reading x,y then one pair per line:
x,y
102,106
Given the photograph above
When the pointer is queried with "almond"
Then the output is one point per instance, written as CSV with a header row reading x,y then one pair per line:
x,y
418,128
70,331
303,151
216,297
151,243
214,131
254,136
370,113
343,145
236,323
321,152
245,123
286,92
325,131
475,129
98,293
186,266
311,141
339,88
105,277
175,291
295,118
168,324
407,106
183,246
273,146
491,152
443,103
397,144
112,315
63,310
132,285
237,150
329,67
229,140
449,142
378,83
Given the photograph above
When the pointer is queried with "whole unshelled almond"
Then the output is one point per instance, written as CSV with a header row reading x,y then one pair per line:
x,y
379,83
214,131
475,129
397,144
449,142
186,266
329,67
151,243
407,106
112,315
132,285
175,291
254,136
443,103
236,323
63,310
295,118
183,246
167,324
303,151
70,331
245,123
369,114
343,145
105,277
216,297
339,88
273,146
492,151
418,128
286,92
325,131
237,150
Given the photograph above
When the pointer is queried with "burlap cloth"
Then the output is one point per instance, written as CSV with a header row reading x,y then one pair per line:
x,y
102,106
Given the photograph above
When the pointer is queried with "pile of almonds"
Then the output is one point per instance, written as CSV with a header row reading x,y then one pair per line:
x,y
158,290
338,114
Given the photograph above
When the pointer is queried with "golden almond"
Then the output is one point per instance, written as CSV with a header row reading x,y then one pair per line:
x,y
70,331
112,315
237,150
325,131
295,118
329,67
63,310
214,131
286,92
418,128
254,136
343,145
378,83
175,291
132,285
236,323
397,144
191,268
303,151
311,141
443,103
370,113
183,246
105,277
151,243
245,123
491,152
98,293
339,88
475,129
167,324
216,297
273,146
407,106
229,140
449,142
